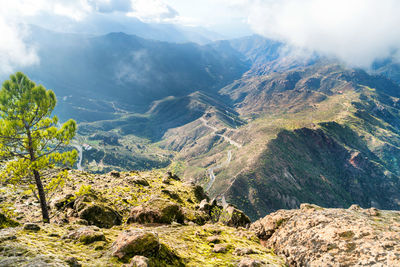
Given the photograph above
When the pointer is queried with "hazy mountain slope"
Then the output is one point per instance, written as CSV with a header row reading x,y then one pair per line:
x,y
126,69
130,141
101,24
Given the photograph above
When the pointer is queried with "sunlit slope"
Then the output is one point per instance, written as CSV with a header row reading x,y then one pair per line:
x,y
322,134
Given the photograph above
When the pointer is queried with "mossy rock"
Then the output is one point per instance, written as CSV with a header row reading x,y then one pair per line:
x,y
64,202
234,217
6,222
87,235
96,213
134,242
196,216
157,210
138,181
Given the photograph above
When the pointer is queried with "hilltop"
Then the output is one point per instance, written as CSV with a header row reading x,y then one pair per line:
x,y
154,219
106,220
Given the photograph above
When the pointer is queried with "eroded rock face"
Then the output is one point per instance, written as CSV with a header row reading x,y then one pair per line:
x,y
135,242
314,236
157,210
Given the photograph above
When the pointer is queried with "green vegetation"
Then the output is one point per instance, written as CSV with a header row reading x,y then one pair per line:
x,y
181,244
30,140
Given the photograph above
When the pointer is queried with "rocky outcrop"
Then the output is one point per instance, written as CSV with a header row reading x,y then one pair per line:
x,y
234,217
134,242
314,236
169,227
89,208
157,210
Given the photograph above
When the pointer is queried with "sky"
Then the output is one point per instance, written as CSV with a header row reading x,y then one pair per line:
x,y
355,31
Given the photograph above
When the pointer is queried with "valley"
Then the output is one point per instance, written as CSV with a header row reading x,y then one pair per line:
x,y
270,131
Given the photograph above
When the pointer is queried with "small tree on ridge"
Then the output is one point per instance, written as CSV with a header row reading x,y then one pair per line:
x,y
30,141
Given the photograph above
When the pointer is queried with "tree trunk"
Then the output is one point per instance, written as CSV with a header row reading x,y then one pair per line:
x,y
42,197
39,184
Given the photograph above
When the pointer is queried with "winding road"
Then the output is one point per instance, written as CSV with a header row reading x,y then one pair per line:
x,y
215,130
80,151
211,170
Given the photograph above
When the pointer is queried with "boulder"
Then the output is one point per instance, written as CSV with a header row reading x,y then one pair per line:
x,y
267,226
195,216
73,262
64,202
115,174
205,206
213,239
247,262
173,176
138,181
234,217
139,261
134,242
220,248
31,227
87,235
243,251
95,213
156,210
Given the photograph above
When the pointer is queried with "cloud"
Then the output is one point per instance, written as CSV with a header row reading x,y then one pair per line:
x,y
108,6
14,52
152,11
356,31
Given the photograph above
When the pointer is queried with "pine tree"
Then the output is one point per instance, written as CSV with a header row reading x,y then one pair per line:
x,y
31,142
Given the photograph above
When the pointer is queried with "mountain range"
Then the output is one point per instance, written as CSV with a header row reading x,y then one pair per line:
x,y
245,118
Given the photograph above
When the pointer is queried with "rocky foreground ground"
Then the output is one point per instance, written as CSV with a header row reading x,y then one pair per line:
x,y
128,219
314,236
154,219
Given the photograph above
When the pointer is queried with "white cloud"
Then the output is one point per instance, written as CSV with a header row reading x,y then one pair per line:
x,y
356,31
152,10
13,51
108,6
